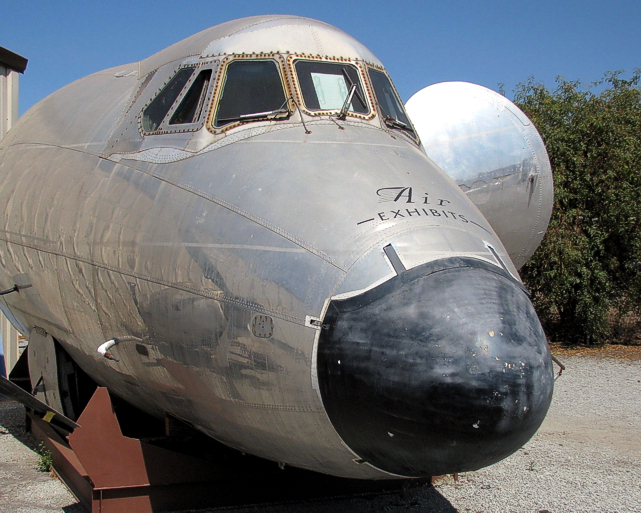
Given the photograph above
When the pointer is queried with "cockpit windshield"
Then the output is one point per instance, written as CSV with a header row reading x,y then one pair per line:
x,y
253,90
391,107
331,86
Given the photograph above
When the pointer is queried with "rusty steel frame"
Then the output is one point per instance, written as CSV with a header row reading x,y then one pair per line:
x,y
110,473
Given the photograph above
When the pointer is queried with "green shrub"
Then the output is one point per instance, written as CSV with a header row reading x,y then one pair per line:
x,y
45,462
587,268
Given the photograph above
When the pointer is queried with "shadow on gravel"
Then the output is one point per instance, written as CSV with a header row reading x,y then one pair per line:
x,y
75,508
423,499
12,420
432,501
419,498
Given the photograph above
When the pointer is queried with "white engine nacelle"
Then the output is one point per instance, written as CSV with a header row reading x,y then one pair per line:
x,y
495,155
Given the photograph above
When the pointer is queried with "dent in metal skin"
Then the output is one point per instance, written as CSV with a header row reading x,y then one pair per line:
x,y
496,156
173,243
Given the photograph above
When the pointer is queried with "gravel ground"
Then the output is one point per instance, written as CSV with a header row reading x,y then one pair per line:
x,y
586,457
23,488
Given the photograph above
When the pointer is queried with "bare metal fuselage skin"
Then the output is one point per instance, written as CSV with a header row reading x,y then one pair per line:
x,y
244,271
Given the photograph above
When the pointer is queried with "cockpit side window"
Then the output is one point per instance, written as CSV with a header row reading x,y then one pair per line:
x,y
327,86
253,90
156,111
192,104
390,106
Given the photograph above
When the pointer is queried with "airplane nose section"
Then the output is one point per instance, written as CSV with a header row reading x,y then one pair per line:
x,y
445,368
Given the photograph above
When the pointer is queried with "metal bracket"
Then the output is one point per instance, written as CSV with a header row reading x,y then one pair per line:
x,y
313,322
561,366
9,291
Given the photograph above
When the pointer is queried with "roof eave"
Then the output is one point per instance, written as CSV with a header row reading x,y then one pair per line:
x,y
12,60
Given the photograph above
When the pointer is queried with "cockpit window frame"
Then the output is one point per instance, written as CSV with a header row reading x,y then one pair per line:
x,y
364,80
220,84
413,135
165,127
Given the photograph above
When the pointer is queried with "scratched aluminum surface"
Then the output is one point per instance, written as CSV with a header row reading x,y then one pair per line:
x,y
174,243
496,156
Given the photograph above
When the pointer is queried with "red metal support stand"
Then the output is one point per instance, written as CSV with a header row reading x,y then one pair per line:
x,y
112,473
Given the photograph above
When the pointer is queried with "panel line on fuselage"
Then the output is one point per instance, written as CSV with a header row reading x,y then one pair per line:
x,y
258,220
219,296
220,246
261,222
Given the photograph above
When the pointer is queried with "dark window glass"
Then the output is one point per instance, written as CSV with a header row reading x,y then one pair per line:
x,y
158,108
391,107
192,104
251,88
326,85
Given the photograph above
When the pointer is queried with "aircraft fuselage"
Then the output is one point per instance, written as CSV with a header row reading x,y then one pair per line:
x,y
301,283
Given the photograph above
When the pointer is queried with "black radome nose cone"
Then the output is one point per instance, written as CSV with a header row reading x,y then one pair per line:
x,y
443,369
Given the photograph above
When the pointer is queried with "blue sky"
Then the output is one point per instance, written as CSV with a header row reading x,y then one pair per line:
x,y
420,42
